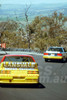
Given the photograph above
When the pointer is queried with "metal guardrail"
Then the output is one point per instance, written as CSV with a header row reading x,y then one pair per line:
x,y
19,52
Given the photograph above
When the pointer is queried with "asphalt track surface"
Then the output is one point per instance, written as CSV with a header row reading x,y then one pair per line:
x,y
52,86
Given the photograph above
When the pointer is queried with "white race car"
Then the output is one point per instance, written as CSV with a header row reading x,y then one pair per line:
x,y
57,53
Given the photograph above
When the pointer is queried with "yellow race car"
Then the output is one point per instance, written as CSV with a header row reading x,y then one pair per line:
x,y
19,69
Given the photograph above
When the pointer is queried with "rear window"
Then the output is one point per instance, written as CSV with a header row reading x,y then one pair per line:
x,y
55,49
18,59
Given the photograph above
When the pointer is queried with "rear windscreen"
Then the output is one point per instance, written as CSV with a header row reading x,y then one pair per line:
x,y
18,59
55,49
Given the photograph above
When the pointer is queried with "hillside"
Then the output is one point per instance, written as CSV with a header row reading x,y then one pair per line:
x,y
16,12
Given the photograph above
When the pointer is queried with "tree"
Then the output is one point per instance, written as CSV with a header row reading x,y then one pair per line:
x,y
49,29
28,29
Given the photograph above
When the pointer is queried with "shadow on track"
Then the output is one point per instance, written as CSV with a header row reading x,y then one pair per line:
x,y
55,61
39,85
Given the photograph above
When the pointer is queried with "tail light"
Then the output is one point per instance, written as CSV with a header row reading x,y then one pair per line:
x,y
45,53
5,72
59,54
33,72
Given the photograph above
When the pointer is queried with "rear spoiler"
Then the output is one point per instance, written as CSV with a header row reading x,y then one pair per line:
x,y
19,65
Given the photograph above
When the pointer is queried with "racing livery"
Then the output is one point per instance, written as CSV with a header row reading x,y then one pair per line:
x,y
57,53
19,69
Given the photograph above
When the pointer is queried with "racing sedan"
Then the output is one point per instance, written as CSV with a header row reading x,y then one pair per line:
x,y
19,69
55,53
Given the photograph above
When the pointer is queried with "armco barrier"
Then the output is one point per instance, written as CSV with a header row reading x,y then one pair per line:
x,y
19,52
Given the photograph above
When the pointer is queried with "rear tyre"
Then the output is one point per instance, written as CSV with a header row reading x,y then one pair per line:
x,y
63,60
46,60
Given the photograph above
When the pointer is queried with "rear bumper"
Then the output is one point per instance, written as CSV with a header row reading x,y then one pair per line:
x,y
52,57
26,80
